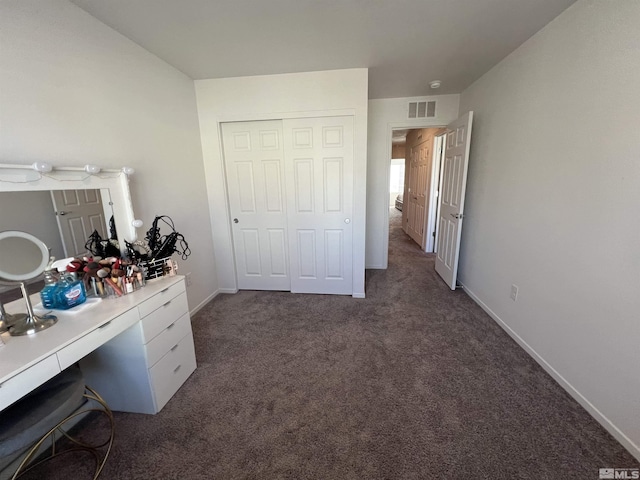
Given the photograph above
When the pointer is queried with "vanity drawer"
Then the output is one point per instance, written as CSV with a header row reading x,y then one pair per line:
x,y
18,386
172,370
167,339
91,341
160,298
163,316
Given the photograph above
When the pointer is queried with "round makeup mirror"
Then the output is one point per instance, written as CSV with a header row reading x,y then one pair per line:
x,y
22,258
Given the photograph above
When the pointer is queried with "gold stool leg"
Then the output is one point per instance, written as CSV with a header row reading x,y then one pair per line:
x,y
89,394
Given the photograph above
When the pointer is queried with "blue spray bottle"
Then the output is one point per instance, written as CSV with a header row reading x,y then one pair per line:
x,y
69,293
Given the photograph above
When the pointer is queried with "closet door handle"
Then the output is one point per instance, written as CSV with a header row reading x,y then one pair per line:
x,y
235,220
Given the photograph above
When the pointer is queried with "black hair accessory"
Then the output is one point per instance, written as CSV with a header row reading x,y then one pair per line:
x,y
113,233
163,246
102,248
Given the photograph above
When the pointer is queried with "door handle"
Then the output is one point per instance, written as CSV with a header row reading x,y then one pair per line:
x,y
347,220
235,220
456,215
63,213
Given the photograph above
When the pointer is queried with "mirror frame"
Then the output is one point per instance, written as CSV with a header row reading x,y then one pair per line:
x,y
39,269
24,179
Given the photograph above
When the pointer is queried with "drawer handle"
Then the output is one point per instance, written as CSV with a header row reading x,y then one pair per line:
x,y
173,349
165,290
105,325
167,304
171,326
175,370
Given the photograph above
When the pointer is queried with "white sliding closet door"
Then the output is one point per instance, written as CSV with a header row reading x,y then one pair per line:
x,y
254,160
319,174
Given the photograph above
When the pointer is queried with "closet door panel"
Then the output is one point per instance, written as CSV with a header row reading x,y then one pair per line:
x,y
254,164
319,172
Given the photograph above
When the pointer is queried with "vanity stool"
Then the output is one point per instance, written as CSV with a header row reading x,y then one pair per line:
x,y
29,427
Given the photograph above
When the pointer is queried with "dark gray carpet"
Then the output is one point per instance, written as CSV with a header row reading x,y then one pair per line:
x,y
413,382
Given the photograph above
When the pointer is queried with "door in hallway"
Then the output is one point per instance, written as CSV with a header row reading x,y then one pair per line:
x,y
253,154
419,178
451,197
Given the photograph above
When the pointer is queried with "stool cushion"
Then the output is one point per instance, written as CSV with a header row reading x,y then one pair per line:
x,y
30,418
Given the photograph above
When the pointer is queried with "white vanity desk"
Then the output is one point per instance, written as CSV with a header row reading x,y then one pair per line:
x,y
135,351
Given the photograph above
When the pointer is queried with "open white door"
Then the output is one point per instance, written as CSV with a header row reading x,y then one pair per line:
x,y
319,175
451,201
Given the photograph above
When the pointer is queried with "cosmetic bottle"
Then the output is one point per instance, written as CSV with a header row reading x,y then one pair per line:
x,y
70,292
47,294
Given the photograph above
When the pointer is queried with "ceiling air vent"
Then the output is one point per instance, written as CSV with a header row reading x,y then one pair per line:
x,y
422,109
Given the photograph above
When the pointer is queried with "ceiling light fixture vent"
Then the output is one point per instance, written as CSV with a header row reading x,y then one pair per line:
x,y
422,109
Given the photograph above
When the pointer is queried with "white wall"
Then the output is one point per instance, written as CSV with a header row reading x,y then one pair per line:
x,y
273,97
552,204
384,115
74,91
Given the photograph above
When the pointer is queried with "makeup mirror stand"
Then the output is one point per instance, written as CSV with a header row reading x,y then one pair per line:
x,y
26,324
5,319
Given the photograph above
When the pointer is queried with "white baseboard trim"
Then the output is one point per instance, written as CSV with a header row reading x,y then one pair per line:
x,y
571,390
358,295
228,290
198,307
375,267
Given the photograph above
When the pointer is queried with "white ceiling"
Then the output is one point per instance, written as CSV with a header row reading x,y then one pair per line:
x,y
405,43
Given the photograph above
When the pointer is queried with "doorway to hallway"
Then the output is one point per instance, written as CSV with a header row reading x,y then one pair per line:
x,y
416,155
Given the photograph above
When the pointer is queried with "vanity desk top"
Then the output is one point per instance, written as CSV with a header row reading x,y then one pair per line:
x,y
28,361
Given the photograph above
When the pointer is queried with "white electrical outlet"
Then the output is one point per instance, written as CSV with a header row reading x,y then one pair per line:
x,y
514,293
188,280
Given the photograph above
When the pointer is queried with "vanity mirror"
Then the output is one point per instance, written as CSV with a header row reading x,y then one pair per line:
x,y
63,219
64,205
